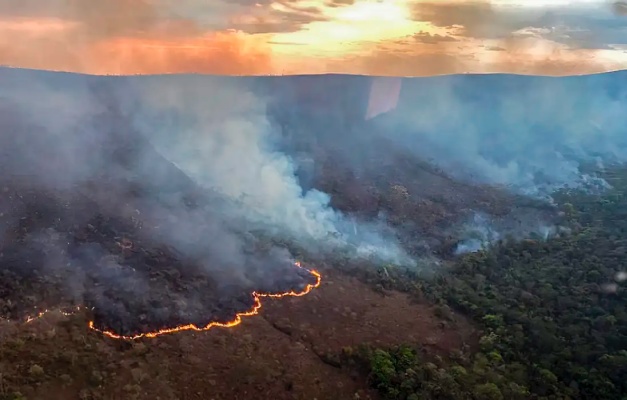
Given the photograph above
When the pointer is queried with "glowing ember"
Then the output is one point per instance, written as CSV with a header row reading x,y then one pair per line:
x,y
44,312
236,321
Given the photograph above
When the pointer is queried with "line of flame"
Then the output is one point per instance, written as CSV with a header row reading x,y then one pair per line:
x,y
236,321
40,314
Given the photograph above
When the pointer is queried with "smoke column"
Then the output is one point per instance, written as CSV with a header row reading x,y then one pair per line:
x,y
216,130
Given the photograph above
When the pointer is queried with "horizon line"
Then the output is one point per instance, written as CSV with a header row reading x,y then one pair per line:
x,y
618,70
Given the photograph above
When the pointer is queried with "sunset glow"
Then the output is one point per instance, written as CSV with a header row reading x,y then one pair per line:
x,y
387,37
353,27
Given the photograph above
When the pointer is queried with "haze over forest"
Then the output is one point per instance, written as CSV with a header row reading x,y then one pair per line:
x,y
263,142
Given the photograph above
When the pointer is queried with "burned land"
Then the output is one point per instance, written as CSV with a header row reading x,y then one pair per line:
x,y
96,242
93,246
102,223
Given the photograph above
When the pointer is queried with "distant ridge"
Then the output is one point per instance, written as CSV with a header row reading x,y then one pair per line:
x,y
274,76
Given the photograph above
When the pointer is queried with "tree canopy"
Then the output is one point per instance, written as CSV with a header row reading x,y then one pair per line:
x,y
553,314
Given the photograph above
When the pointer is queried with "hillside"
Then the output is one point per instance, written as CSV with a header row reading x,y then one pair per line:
x,y
144,203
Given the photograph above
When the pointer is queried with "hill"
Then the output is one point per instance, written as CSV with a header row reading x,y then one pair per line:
x,y
165,200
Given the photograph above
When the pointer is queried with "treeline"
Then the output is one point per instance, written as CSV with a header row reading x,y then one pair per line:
x,y
553,315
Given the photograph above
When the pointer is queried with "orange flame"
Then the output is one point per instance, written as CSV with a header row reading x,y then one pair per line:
x,y
236,321
40,314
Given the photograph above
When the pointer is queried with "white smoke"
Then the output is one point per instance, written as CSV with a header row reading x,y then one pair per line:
x,y
216,130
531,134
481,231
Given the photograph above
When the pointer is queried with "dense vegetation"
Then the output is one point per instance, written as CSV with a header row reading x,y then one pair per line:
x,y
553,315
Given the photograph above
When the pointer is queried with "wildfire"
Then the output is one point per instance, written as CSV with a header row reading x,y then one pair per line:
x,y
44,312
236,321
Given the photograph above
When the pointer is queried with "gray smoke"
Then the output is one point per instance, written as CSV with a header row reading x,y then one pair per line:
x,y
530,134
482,230
217,131
213,129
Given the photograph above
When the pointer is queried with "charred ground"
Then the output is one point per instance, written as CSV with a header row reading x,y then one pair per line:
x,y
95,242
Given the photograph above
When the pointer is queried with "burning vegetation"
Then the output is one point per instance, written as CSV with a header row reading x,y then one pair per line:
x,y
127,237
232,323
254,310
132,288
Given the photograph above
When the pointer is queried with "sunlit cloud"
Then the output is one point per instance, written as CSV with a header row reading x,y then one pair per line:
x,y
387,37
36,26
354,27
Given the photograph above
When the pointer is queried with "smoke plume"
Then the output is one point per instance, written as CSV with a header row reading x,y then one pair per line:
x,y
218,132
214,130
530,134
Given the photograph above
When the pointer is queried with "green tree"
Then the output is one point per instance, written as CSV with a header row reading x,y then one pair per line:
x,y
487,391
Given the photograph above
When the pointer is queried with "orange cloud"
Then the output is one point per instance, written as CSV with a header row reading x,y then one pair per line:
x,y
528,57
98,38
35,26
399,37
215,53
122,37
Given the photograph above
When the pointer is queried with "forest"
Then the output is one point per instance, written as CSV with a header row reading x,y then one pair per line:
x,y
552,314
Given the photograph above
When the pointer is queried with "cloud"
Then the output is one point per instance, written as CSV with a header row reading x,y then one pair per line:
x,y
121,37
145,17
217,53
585,25
547,33
428,38
495,48
620,7
103,18
528,56
280,17
339,3
478,19
294,36
399,63
482,19
146,36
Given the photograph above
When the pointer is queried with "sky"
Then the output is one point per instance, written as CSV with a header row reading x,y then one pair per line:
x,y
260,37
